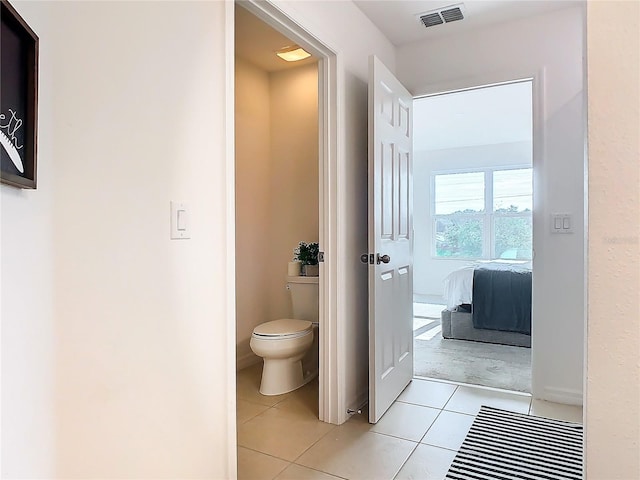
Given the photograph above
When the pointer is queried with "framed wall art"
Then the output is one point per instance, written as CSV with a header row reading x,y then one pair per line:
x,y
18,99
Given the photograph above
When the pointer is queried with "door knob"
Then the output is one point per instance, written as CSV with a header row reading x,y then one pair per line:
x,y
383,258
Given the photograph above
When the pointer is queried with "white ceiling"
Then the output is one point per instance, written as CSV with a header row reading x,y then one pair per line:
x,y
397,19
257,42
483,116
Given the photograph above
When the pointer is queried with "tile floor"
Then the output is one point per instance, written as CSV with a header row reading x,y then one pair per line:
x,y
282,438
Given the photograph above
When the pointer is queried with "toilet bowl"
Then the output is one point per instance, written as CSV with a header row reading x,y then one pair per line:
x,y
286,344
282,344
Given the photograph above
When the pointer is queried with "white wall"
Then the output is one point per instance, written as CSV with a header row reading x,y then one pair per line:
x,y
30,376
140,318
26,293
551,42
429,272
253,200
294,204
276,188
118,361
126,348
612,410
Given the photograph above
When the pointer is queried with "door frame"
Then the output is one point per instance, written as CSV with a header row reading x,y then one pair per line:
x,y
537,79
329,114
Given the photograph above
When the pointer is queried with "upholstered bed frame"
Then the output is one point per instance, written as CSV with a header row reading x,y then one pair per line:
x,y
458,324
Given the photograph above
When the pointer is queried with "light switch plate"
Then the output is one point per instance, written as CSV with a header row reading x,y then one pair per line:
x,y
561,223
179,221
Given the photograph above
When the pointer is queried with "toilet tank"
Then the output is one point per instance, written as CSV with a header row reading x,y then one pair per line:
x,y
304,297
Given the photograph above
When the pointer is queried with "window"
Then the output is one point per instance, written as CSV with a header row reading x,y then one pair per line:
x,y
483,214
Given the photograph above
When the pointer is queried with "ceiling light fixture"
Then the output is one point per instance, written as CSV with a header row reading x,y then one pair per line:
x,y
293,53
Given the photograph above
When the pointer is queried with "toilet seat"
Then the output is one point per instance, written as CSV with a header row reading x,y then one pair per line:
x,y
284,328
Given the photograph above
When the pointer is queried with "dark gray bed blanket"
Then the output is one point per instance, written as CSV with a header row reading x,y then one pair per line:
x,y
502,300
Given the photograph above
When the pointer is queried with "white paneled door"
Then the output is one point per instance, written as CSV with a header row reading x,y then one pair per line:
x,y
390,239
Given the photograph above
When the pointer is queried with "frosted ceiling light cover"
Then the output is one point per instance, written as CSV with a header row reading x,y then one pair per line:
x,y
293,54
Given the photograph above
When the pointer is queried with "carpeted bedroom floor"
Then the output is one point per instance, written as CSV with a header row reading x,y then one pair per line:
x,y
490,365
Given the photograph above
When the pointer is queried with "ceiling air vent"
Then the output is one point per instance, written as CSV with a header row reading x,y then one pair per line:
x,y
431,19
442,15
452,14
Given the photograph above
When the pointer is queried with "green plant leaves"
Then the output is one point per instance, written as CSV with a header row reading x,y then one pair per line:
x,y
306,253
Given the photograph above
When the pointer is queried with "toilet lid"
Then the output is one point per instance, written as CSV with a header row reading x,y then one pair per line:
x,y
284,327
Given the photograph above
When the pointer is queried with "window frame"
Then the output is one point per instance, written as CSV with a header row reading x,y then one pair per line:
x,y
487,217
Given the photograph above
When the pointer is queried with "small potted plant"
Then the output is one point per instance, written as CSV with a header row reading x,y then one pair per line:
x,y
307,255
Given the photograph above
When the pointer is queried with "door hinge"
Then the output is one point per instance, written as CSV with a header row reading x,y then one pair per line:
x,y
320,257
367,258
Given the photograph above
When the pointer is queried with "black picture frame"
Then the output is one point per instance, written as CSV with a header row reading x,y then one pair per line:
x,y
18,100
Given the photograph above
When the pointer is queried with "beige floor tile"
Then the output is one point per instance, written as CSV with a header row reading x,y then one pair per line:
x,y
248,387
251,374
427,393
282,433
247,410
469,400
558,411
257,466
352,451
449,430
406,420
427,463
298,472
303,401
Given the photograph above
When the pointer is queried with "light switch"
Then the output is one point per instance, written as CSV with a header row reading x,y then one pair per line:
x,y
179,221
561,223
182,219
557,223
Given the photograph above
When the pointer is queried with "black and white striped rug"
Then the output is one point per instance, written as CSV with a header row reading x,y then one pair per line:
x,y
507,446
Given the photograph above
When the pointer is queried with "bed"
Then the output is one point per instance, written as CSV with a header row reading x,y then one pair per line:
x,y
489,302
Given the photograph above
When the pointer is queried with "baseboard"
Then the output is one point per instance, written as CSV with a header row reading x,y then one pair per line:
x,y
563,395
246,360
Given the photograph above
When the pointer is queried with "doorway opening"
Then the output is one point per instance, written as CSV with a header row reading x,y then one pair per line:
x,y
326,158
473,209
277,207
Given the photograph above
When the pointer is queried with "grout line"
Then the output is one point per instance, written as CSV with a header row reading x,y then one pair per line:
x,y
394,436
315,443
450,397
418,404
468,414
253,402
405,461
430,426
440,446
321,471
267,454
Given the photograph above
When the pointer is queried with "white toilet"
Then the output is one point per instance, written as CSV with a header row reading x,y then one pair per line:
x,y
289,346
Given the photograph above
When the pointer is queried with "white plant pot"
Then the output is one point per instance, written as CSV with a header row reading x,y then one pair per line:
x,y
294,269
